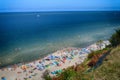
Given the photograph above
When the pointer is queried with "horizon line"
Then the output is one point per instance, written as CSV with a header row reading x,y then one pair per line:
x,y
61,11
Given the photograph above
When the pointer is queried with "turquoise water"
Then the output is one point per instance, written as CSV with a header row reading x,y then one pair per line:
x,y
29,36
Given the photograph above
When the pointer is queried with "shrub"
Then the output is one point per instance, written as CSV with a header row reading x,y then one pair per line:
x,y
91,55
115,38
67,75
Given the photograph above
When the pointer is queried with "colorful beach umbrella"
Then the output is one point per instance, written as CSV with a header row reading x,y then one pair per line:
x,y
3,78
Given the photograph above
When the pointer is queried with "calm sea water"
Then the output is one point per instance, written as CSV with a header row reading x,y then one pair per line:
x,y
29,36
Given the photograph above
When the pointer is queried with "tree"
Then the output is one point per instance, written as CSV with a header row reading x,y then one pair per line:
x,y
115,38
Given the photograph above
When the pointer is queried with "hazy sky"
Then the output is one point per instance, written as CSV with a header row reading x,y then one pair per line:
x,y
58,5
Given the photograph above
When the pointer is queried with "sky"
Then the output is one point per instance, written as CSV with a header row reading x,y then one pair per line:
x,y
58,5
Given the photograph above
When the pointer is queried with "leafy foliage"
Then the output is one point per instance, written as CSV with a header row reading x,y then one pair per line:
x,y
115,38
67,74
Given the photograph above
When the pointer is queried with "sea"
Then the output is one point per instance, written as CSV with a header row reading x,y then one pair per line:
x,y
27,36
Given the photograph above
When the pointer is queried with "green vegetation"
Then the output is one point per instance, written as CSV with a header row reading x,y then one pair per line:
x,y
110,69
67,74
97,52
115,38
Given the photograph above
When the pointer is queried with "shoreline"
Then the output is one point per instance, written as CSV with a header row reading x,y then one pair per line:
x,y
29,61
56,61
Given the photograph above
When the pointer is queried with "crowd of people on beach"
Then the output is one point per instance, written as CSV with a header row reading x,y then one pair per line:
x,y
54,62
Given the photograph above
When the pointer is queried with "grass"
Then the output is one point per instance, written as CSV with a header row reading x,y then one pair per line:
x,y
110,69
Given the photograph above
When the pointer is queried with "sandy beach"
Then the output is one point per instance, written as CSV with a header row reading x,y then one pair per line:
x,y
54,62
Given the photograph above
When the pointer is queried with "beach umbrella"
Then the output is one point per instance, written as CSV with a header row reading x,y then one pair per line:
x,y
57,57
53,63
24,67
41,68
3,78
53,72
38,65
52,57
